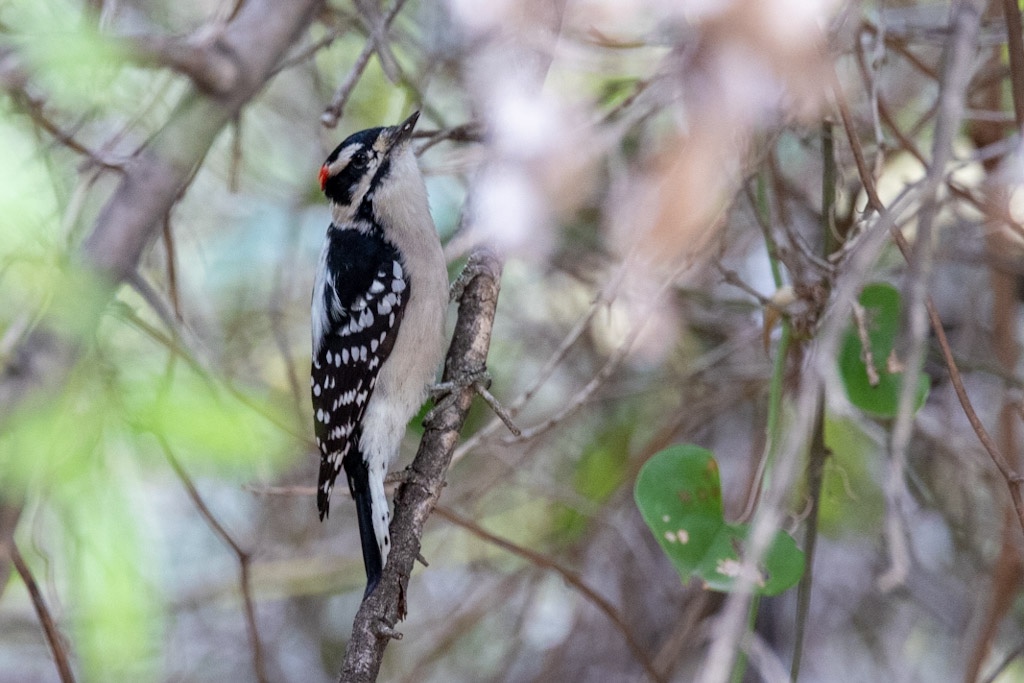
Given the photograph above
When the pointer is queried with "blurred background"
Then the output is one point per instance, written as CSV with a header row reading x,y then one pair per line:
x,y
688,197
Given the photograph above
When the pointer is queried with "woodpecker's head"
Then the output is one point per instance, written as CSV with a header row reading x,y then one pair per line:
x,y
363,163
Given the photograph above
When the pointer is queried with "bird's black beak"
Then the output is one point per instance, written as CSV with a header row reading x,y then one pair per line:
x,y
403,131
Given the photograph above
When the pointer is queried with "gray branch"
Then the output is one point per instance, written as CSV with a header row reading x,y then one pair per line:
x,y
156,177
425,478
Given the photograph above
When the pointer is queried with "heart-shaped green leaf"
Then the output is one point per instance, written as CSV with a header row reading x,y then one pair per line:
x,y
680,497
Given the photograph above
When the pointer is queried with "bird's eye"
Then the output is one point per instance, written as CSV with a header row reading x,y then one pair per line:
x,y
360,160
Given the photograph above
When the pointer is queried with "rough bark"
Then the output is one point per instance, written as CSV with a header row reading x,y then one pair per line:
x,y
425,478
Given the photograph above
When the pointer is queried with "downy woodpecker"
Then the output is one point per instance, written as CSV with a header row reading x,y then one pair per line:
x,y
379,301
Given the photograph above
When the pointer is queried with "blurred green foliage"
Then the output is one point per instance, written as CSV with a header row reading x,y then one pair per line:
x,y
86,446
851,499
76,65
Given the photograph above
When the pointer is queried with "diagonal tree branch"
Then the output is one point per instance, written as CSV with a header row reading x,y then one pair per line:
x,y
425,478
156,177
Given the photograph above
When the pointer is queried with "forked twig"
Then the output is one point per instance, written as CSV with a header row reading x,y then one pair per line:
x,y
244,557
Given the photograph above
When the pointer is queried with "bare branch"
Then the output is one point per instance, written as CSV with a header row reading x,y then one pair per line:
x,y
155,178
53,637
243,556
208,61
332,114
425,477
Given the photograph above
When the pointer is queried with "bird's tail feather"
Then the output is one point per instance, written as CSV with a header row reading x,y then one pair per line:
x,y
359,483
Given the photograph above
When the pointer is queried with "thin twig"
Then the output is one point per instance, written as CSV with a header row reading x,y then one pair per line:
x,y
244,557
539,380
570,577
867,355
613,362
498,409
466,132
332,114
304,54
235,165
1015,48
282,286
1012,478
34,107
377,34
53,637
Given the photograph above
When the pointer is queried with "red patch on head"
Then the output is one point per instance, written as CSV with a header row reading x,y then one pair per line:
x,y
323,177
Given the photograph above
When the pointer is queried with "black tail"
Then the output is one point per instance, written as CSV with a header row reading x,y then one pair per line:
x,y
359,485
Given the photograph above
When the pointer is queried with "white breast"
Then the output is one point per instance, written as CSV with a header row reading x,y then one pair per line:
x,y
402,210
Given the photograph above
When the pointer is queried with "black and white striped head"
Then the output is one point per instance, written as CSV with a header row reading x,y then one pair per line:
x,y
360,164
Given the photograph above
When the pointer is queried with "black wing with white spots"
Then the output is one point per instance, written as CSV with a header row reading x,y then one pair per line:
x,y
360,307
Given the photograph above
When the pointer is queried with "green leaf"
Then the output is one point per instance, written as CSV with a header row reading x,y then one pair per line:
x,y
877,392
680,497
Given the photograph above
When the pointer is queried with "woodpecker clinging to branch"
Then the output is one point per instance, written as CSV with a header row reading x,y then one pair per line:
x,y
379,300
